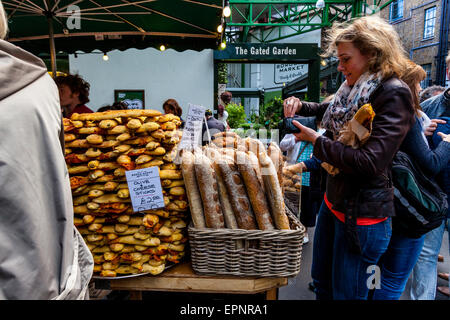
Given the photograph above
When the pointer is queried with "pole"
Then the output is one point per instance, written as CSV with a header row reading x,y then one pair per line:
x,y
52,44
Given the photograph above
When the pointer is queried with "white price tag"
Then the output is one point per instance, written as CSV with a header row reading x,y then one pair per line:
x,y
192,131
145,189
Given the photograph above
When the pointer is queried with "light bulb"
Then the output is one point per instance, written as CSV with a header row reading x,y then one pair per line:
x,y
105,57
223,45
220,28
226,11
162,47
320,4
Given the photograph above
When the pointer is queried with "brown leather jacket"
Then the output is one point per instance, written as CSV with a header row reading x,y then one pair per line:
x,y
363,185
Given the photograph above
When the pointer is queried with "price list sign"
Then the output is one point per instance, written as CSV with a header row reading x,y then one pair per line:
x,y
145,189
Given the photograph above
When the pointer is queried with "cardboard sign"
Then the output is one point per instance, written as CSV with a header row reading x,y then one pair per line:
x,y
192,131
145,189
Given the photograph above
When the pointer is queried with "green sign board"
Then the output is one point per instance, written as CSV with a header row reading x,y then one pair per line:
x,y
294,52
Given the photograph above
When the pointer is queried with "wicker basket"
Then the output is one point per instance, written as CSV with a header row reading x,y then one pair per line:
x,y
239,252
293,202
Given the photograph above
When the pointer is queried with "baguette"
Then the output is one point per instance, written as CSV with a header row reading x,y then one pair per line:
x,y
255,164
274,192
255,192
237,194
228,214
276,156
204,172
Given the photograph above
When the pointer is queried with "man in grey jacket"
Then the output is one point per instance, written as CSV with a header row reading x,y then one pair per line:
x,y
42,255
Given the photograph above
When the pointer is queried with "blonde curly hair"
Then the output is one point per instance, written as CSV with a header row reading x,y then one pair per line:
x,y
374,38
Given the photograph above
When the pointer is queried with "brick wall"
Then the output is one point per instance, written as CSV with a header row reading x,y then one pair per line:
x,y
411,28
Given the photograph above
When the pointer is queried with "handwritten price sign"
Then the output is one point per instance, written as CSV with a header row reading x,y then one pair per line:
x,y
145,189
192,132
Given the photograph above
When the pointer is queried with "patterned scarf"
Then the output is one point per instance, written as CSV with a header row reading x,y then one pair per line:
x,y
348,100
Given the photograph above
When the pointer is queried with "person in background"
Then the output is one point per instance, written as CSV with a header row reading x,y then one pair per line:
x,y
424,275
351,237
42,255
172,106
115,106
444,181
222,114
73,94
301,151
214,126
429,92
403,251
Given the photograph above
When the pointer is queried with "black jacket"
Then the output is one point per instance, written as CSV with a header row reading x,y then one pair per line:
x,y
363,186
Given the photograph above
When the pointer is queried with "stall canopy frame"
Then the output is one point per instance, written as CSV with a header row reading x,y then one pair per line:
x,y
68,26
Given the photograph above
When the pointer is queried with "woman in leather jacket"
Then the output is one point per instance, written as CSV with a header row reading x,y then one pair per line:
x,y
354,222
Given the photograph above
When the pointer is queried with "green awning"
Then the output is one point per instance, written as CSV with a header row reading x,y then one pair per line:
x,y
86,25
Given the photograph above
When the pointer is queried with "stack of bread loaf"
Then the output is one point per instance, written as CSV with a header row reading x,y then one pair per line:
x,y
234,183
292,178
100,147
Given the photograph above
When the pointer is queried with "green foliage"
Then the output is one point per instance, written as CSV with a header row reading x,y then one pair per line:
x,y
236,114
222,73
271,113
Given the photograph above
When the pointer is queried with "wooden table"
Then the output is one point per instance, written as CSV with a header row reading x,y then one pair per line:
x,y
181,278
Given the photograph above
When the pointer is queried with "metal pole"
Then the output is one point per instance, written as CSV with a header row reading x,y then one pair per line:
x,y
52,44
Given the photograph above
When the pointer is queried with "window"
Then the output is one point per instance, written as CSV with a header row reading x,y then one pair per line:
x,y
396,11
430,22
427,81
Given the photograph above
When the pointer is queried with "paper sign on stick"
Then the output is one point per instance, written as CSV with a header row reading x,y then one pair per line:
x,y
192,131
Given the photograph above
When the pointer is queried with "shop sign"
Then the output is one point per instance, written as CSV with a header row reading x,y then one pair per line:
x,y
145,189
267,51
284,73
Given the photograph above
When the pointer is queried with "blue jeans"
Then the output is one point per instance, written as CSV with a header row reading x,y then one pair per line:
x,y
396,265
337,272
424,275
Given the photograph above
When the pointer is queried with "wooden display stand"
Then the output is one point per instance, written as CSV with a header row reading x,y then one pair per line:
x,y
181,278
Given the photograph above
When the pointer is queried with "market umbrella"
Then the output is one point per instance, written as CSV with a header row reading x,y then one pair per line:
x,y
50,26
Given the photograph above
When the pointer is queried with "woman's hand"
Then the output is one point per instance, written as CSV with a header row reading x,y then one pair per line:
x,y
445,137
303,166
432,127
291,105
305,134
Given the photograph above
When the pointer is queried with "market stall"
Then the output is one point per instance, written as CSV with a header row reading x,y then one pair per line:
x,y
220,223
220,213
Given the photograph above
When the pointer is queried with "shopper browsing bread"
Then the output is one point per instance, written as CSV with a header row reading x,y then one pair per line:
x,y
73,94
42,256
351,236
211,127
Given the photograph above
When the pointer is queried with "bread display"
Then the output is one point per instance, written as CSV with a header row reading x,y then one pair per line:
x,y
100,148
230,176
292,178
